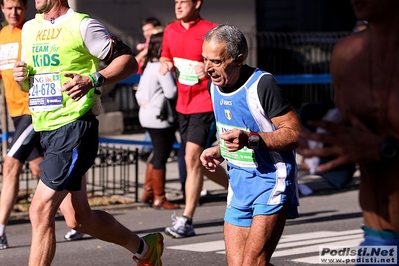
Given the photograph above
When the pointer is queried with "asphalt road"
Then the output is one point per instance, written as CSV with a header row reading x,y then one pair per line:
x,y
327,217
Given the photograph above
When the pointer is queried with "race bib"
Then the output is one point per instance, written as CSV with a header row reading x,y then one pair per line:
x,y
45,92
243,158
185,71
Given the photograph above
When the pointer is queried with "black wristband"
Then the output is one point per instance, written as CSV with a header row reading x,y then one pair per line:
x,y
253,140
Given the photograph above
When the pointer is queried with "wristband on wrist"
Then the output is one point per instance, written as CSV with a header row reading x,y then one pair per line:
x,y
97,79
93,79
253,140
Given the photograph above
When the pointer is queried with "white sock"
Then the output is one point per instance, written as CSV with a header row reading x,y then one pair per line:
x,y
145,249
2,229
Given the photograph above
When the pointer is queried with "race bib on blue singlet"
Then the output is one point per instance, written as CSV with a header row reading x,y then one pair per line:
x,y
243,158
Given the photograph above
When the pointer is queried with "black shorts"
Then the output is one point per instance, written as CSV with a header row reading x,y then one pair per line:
x,y
198,128
25,145
69,152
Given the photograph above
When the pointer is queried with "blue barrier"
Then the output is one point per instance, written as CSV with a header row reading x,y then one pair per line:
x,y
106,140
304,79
134,79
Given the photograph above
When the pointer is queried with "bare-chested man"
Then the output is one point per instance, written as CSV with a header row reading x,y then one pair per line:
x,y
365,71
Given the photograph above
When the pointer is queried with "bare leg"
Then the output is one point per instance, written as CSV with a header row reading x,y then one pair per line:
x,y
10,186
34,166
235,238
256,244
42,213
99,224
195,178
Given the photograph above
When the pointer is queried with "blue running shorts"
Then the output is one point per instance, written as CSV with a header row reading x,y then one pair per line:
x,y
244,218
380,238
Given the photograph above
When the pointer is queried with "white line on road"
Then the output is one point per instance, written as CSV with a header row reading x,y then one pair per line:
x,y
303,243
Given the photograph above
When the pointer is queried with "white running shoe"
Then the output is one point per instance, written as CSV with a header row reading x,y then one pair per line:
x,y
73,235
180,228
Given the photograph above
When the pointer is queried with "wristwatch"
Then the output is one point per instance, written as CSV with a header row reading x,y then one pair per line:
x,y
97,79
389,150
253,140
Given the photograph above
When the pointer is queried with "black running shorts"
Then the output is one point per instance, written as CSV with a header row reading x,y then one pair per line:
x,y
69,152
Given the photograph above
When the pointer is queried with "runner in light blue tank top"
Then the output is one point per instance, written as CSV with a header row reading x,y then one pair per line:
x,y
258,132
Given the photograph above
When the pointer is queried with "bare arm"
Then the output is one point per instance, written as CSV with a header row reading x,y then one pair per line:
x,y
120,68
284,138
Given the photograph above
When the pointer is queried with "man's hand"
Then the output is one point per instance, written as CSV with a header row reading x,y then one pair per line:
x,y
78,87
210,158
235,139
165,67
199,70
20,72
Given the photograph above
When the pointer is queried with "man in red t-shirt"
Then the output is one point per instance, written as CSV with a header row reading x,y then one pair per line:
x,y
182,53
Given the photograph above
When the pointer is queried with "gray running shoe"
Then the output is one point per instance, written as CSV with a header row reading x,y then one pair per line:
x,y
73,235
3,242
180,228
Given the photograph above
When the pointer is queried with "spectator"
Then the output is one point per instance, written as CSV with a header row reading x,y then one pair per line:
x,y
151,93
149,26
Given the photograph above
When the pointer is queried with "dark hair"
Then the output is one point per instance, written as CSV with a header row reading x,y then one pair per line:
x,y
151,20
25,2
154,48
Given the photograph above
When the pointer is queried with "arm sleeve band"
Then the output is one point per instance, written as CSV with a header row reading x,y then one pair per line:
x,y
118,48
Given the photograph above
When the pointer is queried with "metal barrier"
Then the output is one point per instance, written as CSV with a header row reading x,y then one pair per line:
x,y
299,53
114,172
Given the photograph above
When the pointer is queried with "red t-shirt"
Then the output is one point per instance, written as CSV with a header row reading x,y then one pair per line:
x,y
186,45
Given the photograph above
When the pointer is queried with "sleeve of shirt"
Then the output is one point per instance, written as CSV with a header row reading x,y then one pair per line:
x,y
145,82
165,52
95,37
271,96
168,85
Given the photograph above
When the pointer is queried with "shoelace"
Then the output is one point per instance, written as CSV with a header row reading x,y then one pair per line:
x,y
177,221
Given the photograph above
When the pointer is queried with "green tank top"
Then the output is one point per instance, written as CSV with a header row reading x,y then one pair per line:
x,y
50,52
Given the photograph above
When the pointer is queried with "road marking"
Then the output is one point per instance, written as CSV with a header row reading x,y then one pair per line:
x,y
291,245
202,247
